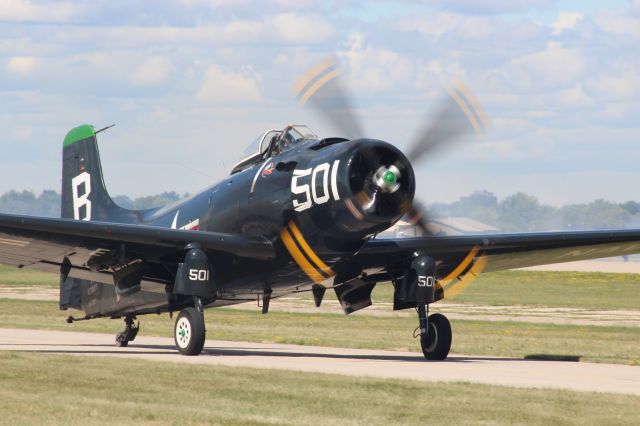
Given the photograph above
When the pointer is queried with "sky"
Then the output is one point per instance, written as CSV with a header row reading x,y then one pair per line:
x,y
190,83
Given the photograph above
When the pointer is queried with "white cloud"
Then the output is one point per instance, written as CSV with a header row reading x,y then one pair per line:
x,y
223,86
566,21
297,28
289,28
244,30
573,97
214,3
283,27
554,66
153,71
21,65
217,4
477,27
28,11
374,68
139,36
494,6
620,24
625,85
433,25
455,29
291,4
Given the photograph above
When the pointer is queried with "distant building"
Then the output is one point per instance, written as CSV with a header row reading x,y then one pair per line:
x,y
440,226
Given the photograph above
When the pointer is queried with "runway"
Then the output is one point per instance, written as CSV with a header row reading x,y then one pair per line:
x,y
578,376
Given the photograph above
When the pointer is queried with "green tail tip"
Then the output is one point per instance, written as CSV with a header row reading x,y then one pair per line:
x,y
78,133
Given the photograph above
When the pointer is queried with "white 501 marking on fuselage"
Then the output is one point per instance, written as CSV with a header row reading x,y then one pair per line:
x,y
81,200
300,189
198,274
334,180
324,169
310,196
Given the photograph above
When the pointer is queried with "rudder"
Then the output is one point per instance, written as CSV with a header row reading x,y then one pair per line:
x,y
84,195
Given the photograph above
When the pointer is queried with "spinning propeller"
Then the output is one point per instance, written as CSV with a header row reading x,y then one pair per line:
x,y
458,115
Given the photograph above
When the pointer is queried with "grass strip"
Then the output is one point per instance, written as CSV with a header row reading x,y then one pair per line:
x,y
56,389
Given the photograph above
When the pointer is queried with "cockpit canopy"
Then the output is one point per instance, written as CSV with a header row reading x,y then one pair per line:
x,y
273,142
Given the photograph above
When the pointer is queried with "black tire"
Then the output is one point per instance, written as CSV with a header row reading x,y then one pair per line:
x,y
437,344
189,332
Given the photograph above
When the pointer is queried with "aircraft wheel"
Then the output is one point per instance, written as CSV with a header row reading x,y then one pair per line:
x,y
120,341
189,331
437,342
130,332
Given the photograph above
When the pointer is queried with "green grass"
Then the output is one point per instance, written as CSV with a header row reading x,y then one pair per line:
x,y
10,276
55,389
512,339
590,290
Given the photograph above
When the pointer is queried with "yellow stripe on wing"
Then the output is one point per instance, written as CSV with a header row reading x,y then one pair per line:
x,y
456,288
461,267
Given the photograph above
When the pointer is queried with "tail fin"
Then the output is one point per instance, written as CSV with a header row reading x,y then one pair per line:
x,y
84,195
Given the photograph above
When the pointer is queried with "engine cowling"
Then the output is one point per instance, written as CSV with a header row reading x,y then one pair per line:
x,y
345,193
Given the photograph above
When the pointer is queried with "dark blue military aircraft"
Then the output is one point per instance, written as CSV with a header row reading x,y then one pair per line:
x,y
300,213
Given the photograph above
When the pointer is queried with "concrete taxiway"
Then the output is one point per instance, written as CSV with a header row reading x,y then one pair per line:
x,y
353,362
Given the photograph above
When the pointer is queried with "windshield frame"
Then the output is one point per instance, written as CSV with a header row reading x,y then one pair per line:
x,y
259,141
293,134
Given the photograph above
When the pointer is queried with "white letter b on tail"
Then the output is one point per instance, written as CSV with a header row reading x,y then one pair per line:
x,y
81,200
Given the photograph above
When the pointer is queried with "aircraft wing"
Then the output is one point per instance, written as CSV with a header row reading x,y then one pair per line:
x,y
457,255
43,243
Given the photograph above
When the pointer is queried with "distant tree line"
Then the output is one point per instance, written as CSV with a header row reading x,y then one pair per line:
x,y
522,212
517,212
48,202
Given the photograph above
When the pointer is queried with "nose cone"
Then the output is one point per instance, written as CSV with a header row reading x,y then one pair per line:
x,y
381,183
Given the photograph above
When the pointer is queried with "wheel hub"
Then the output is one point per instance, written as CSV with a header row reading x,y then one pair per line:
x,y
183,332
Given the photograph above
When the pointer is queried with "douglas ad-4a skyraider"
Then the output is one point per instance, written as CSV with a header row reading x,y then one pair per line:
x,y
299,214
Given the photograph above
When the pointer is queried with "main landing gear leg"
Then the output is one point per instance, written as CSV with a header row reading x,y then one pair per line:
x,y
435,334
189,331
129,333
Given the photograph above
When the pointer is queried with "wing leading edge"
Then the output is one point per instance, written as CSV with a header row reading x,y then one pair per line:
x,y
44,243
500,251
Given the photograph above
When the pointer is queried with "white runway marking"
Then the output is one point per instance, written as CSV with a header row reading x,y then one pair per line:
x,y
353,362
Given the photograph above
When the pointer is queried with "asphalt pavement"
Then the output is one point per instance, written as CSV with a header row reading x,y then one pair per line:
x,y
578,376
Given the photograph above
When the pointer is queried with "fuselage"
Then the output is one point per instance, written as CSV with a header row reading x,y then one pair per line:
x,y
303,201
